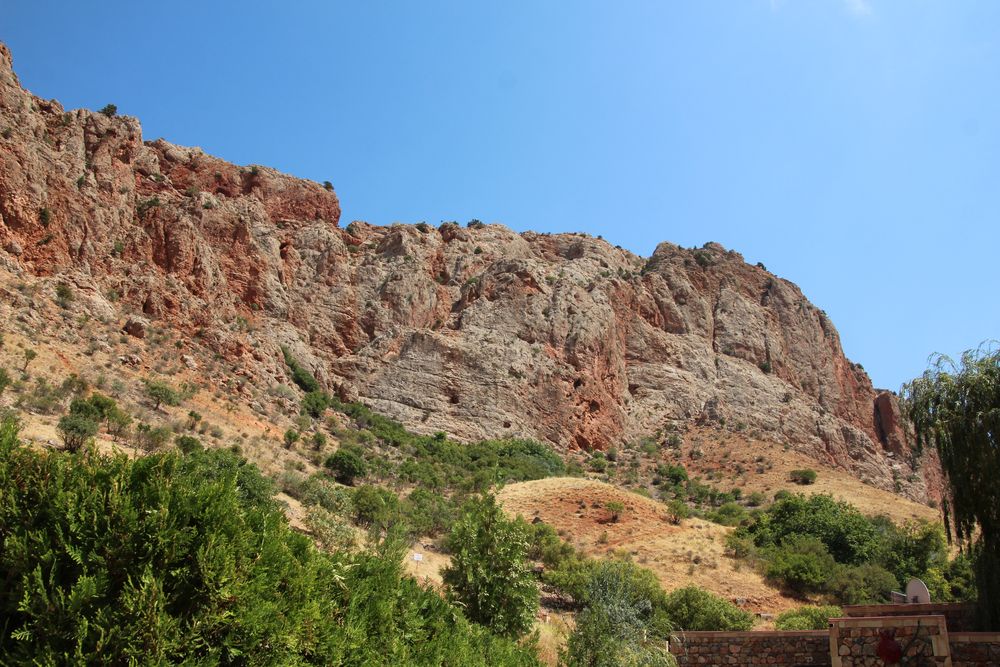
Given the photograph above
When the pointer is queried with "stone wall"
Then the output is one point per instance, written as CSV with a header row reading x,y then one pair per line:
x,y
960,617
795,649
855,642
974,649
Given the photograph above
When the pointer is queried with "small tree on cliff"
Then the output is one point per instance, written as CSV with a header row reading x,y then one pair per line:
x,y
957,410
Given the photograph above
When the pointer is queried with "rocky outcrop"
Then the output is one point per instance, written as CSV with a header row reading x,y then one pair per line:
x,y
477,331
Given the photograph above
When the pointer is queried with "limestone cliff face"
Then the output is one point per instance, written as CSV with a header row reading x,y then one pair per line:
x,y
478,331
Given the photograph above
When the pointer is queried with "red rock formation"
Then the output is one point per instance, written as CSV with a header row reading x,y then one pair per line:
x,y
477,331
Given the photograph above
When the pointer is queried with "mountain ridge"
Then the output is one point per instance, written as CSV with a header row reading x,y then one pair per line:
x,y
477,331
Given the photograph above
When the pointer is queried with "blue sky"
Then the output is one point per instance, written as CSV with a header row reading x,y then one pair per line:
x,y
853,146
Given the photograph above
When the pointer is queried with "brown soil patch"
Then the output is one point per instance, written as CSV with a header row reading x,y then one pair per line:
x,y
692,553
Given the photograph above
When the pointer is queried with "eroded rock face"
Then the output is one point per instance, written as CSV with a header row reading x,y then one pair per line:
x,y
477,331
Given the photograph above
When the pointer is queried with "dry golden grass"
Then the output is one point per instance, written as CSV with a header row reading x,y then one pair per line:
x,y
691,553
725,454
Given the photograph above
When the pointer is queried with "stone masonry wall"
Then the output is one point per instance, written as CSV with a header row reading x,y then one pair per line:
x,y
854,642
974,649
960,617
795,649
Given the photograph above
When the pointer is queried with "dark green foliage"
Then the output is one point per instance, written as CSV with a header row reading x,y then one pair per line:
x,y
867,583
436,462
692,608
729,514
5,380
64,295
44,216
346,465
315,403
75,430
849,535
109,110
188,444
489,574
327,185
161,393
807,618
802,563
674,474
300,376
804,476
172,559
290,438
956,408
818,545
375,506
620,626
428,513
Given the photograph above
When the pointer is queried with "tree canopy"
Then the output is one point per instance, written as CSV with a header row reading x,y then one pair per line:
x,y
956,409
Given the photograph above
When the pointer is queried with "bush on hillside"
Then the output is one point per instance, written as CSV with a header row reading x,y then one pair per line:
x,y
100,559
692,608
346,465
807,618
805,476
489,574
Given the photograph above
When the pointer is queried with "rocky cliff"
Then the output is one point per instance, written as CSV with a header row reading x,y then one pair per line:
x,y
477,330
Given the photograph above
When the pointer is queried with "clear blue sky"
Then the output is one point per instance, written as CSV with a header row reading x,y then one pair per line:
x,y
852,146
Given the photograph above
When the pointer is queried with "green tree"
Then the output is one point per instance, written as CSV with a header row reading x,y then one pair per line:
x,y
291,437
616,508
618,628
346,465
489,573
692,608
802,563
75,430
29,356
956,409
375,506
188,444
161,392
5,380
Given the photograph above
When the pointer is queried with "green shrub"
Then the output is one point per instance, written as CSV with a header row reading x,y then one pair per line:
x,y
849,536
346,466
804,476
692,608
64,294
161,392
188,444
807,618
729,514
867,583
172,559
300,376
109,110
489,574
427,513
620,625
76,430
678,510
315,404
375,506
802,564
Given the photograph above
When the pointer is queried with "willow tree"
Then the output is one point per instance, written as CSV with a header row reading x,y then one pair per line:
x,y
956,408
